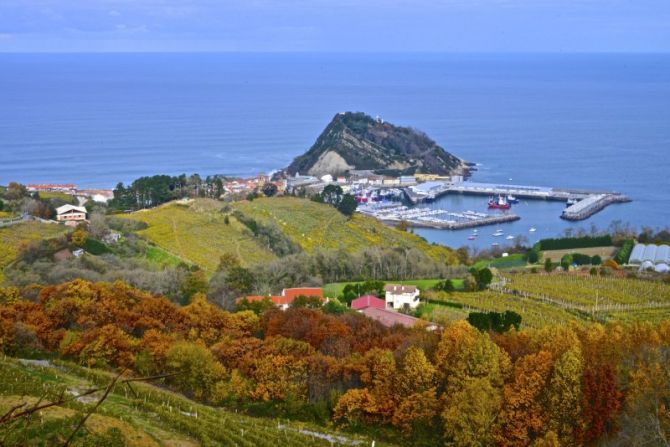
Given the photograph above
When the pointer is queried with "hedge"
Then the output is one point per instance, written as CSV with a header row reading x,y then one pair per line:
x,y
575,242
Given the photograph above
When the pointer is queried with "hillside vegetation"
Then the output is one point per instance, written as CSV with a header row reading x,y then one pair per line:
x,y
142,416
317,226
198,233
202,230
13,237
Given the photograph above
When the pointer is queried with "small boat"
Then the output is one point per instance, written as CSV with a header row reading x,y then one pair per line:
x,y
532,229
500,203
475,231
498,232
510,237
512,199
472,237
495,244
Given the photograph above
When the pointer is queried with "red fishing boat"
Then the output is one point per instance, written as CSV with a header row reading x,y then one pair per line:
x,y
500,203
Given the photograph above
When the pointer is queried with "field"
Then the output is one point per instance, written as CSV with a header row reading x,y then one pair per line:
x,y
67,198
197,233
6,215
145,415
335,289
512,261
316,226
14,236
604,252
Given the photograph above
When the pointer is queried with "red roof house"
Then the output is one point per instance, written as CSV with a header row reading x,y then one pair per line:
x,y
295,292
284,300
368,301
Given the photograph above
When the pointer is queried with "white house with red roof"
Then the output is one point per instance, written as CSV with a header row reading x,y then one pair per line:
x,y
399,296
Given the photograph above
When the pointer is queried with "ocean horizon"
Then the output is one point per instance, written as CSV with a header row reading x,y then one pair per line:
x,y
592,121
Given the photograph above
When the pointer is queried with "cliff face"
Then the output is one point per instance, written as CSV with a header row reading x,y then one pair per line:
x,y
357,141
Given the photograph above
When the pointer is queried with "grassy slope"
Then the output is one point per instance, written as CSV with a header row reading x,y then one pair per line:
x,y
151,417
14,236
197,233
315,226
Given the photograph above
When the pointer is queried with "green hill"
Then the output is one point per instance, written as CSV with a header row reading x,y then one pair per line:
x,y
202,230
141,415
197,232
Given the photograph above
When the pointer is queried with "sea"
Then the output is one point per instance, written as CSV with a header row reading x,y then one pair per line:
x,y
591,121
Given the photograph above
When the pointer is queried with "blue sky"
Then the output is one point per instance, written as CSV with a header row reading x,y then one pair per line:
x,y
335,25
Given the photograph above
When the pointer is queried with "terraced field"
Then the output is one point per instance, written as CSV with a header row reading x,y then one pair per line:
x,y
142,416
15,236
316,226
197,233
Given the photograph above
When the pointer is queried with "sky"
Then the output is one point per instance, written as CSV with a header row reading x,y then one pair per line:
x,y
335,25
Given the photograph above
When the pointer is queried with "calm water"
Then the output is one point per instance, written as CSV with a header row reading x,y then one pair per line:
x,y
589,121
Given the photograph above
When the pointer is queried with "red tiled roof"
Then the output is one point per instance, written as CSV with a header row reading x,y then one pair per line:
x,y
303,291
368,301
389,318
276,300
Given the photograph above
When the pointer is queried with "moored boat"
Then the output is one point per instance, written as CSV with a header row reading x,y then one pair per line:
x,y
500,203
512,199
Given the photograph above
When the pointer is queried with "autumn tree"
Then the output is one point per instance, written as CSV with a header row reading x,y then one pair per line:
x,y
470,413
196,371
564,396
523,415
79,237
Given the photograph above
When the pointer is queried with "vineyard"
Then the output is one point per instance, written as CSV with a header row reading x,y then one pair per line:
x,y
141,415
609,298
534,313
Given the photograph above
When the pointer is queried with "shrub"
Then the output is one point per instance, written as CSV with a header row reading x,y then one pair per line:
x,y
623,254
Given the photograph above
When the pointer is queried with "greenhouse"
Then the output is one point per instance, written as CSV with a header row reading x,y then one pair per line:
x,y
650,253
662,268
636,256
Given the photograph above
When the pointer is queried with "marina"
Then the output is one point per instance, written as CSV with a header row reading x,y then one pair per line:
x,y
423,217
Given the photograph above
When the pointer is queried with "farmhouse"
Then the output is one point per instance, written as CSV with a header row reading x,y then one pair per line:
x,y
70,213
400,296
287,296
368,301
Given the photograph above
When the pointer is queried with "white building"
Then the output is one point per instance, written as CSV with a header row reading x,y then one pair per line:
x,y
70,213
397,296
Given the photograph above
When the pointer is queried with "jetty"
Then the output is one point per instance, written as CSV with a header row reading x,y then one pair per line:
x,y
589,206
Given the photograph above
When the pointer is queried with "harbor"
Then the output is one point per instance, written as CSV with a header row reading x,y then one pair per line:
x,y
582,204
424,217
